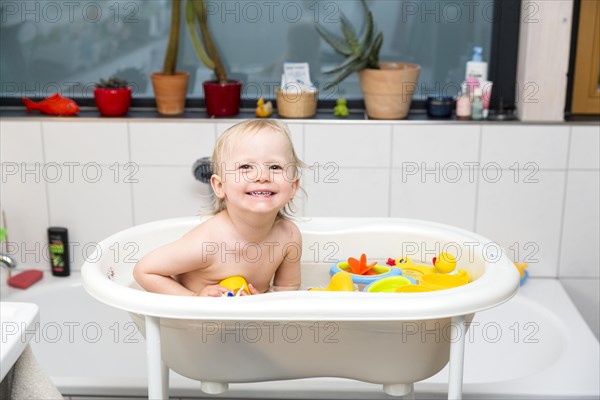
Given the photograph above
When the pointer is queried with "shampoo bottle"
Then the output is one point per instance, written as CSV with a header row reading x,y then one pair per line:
x,y
58,244
477,68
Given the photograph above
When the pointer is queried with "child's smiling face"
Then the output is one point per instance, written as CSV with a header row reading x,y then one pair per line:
x,y
259,174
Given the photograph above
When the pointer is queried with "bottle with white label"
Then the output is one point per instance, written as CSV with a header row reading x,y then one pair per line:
x,y
477,68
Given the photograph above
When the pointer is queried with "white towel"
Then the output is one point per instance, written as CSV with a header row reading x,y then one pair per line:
x,y
27,381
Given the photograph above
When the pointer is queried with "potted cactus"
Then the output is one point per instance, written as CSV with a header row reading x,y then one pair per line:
x,y
170,86
222,95
112,96
387,86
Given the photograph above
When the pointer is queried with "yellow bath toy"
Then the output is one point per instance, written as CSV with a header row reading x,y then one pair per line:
x,y
340,282
235,284
412,270
413,289
388,285
264,110
445,281
444,263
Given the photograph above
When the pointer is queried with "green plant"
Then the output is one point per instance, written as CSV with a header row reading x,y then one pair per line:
x,y
112,83
360,53
170,62
210,58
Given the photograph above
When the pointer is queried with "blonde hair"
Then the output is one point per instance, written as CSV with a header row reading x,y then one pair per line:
x,y
225,143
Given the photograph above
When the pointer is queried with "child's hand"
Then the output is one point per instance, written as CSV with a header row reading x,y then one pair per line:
x,y
252,290
213,291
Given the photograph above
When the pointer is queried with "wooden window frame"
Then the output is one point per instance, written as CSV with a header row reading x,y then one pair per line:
x,y
586,93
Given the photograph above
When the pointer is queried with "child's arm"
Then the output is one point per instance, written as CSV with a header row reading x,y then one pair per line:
x,y
155,270
287,276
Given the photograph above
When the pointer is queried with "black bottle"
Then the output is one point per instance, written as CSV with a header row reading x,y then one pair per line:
x,y
58,244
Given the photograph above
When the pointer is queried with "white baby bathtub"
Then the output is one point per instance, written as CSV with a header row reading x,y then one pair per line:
x,y
386,338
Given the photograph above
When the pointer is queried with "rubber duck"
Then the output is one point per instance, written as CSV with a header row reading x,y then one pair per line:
x,y
341,108
264,110
444,263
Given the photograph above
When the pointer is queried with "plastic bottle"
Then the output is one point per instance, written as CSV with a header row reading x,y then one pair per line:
x,y
58,244
477,68
463,104
477,105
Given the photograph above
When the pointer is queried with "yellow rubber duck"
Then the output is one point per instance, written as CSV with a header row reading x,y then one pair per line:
x,y
444,263
264,110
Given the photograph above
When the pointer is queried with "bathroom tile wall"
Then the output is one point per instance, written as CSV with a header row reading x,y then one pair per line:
x,y
533,188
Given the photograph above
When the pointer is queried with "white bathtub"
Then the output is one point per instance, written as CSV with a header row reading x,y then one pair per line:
x,y
558,360
386,338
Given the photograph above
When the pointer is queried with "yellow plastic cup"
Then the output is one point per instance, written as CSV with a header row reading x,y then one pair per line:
x,y
235,283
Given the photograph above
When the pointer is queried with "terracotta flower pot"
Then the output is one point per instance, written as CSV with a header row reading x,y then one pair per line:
x,y
112,102
222,99
170,91
388,91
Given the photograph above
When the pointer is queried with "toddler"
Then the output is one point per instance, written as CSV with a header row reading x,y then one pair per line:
x,y
255,178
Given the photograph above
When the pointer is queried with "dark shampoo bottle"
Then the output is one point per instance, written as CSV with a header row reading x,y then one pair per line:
x,y
58,244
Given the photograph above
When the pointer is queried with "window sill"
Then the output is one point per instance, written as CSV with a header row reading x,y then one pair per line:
x,y
323,115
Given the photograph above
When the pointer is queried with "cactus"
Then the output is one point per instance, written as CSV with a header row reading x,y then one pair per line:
x,y
210,58
360,53
170,63
112,83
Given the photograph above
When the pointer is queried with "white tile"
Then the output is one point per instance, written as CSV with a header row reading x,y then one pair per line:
x,y
517,145
585,294
585,147
94,142
348,145
91,209
347,192
167,192
448,197
579,256
174,143
21,141
524,218
25,205
430,144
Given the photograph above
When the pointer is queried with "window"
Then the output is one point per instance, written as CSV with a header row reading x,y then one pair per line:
x,y
66,46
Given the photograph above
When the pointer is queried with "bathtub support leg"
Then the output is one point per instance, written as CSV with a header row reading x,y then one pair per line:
x,y
158,373
457,357
400,389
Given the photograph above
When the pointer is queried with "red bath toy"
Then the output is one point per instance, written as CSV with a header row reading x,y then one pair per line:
x,y
53,105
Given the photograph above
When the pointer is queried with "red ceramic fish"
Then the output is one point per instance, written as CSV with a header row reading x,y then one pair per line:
x,y
53,105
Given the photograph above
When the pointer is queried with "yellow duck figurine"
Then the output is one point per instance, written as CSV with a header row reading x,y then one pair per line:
x,y
444,263
264,110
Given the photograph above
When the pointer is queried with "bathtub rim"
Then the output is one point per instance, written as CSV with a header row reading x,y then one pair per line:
x,y
498,284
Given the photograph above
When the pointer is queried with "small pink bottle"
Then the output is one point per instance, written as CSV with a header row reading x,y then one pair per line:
x,y
463,104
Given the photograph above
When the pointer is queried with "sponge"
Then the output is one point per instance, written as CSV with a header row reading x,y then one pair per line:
x,y
25,279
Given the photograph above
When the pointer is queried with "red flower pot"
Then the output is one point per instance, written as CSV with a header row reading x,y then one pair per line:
x,y
113,102
222,99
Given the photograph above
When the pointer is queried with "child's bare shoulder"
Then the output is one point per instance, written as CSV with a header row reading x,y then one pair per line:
x,y
210,230
289,230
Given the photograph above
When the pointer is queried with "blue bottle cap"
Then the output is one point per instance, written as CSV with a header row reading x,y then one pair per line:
x,y
477,51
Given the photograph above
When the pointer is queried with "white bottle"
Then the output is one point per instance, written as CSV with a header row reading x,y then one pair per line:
x,y
477,68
